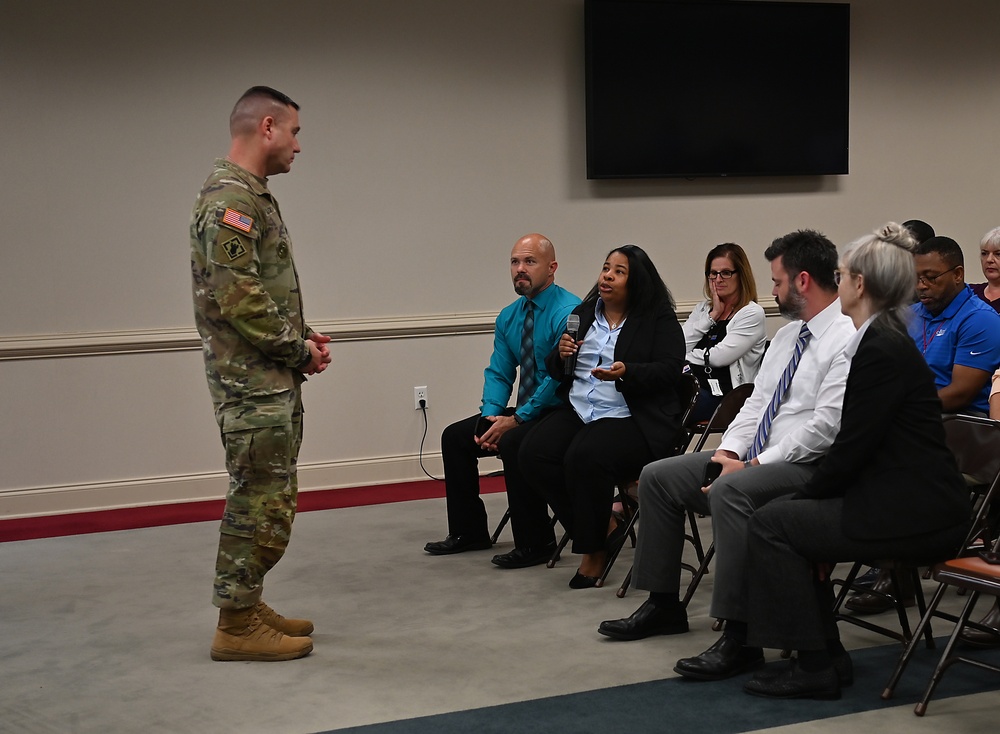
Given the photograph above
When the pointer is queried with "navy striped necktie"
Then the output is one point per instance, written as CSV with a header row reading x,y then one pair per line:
x,y
764,427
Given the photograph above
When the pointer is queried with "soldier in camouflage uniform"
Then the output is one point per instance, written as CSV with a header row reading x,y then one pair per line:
x,y
257,350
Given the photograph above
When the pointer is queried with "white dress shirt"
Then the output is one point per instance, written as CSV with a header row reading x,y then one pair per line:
x,y
809,416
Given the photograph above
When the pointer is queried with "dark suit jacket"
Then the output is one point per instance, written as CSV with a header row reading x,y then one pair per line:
x,y
889,460
652,347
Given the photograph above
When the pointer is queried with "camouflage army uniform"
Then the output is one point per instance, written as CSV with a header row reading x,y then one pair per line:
x,y
249,314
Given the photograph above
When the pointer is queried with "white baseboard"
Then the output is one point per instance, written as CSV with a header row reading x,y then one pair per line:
x,y
68,499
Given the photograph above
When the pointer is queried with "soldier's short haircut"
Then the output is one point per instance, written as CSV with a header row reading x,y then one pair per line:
x,y
255,104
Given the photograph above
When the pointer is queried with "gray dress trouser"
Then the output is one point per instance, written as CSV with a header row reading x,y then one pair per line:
x,y
670,487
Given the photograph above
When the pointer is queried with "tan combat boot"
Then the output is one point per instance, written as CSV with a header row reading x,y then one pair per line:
x,y
291,627
242,635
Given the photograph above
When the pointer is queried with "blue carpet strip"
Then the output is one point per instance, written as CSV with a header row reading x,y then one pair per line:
x,y
693,707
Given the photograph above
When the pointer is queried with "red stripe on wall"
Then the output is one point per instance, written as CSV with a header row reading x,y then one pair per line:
x,y
103,521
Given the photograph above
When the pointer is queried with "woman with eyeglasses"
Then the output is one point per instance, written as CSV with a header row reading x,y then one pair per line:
x,y
725,334
887,488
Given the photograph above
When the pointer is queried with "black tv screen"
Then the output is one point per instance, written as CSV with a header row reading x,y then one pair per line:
x,y
716,88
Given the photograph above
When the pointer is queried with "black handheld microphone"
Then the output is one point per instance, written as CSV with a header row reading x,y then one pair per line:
x,y
573,329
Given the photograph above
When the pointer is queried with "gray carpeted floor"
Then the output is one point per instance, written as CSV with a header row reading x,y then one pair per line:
x,y
110,633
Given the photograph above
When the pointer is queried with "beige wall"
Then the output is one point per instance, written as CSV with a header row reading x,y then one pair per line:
x,y
434,133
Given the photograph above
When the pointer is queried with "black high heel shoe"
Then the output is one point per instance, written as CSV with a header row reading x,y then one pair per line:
x,y
579,581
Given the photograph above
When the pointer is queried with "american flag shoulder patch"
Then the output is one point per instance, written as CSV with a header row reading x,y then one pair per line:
x,y
237,220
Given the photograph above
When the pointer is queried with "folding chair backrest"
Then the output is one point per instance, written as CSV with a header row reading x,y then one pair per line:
x,y
687,395
728,408
975,442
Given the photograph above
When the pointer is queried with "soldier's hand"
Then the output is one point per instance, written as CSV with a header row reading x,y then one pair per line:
x,y
320,356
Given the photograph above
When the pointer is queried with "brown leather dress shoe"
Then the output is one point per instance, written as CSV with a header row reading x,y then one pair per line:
x,y
985,639
869,603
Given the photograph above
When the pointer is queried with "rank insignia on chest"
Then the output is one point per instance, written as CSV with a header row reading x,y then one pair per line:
x,y
234,248
237,220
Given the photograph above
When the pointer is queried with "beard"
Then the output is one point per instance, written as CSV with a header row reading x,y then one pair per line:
x,y
522,286
791,307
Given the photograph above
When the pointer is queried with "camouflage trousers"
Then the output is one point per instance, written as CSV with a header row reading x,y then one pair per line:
x,y
262,437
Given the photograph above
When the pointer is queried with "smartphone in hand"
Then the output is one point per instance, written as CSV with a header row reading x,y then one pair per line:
x,y
712,471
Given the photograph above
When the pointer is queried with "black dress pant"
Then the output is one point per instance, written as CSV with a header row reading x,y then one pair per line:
x,y
789,607
529,516
575,467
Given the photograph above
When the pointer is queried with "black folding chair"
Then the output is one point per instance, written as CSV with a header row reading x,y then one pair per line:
x,y
975,441
725,412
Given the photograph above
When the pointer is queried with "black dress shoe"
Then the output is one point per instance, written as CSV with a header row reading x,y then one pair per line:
x,y
724,659
842,666
579,581
458,544
648,620
524,557
793,682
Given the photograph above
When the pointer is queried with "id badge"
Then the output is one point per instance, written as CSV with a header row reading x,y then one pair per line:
x,y
714,386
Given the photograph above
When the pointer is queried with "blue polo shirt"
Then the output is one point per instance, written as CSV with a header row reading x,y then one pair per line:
x,y
966,333
552,306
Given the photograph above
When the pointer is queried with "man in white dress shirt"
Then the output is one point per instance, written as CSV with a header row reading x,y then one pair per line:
x,y
769,450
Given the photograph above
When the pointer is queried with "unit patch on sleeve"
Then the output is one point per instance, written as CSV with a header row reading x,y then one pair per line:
x,y
237,220
234,248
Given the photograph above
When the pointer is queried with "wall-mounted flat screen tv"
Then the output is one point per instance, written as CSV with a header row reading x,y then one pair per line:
x,y
716,88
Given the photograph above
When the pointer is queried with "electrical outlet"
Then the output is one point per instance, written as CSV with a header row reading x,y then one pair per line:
x,y
420,393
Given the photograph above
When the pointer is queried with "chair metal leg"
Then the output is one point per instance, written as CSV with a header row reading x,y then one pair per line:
x,y
904,621
503,523
904,658
946,659
625,584
918,593
698,574
613,556
551,563
695,537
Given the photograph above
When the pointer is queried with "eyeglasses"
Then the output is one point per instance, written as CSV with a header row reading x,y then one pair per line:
x,y
932,279
724,274
838,275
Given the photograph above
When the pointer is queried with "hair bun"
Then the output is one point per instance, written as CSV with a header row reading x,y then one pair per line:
x,y
896,234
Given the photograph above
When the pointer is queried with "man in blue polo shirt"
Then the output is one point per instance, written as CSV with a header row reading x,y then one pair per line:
x,y
958,333
526,331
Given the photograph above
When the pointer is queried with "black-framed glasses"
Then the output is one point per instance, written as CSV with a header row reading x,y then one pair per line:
x,y
724,274
932,279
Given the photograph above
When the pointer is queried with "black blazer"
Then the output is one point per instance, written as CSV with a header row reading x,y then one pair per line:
x,y
889,460
652,347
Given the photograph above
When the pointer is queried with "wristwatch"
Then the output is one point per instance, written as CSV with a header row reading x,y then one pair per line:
x,y
518,419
